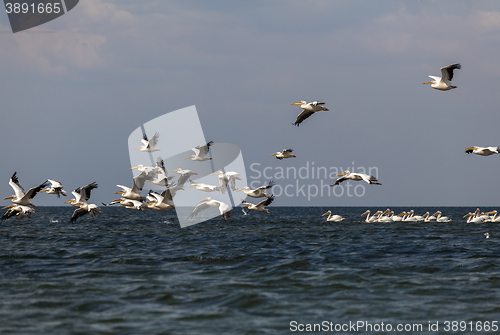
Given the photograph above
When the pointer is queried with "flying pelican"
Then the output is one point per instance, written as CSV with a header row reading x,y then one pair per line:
x,y
162,202
82,195
92,209
308,109
444,83
440,218
201,152
162,179
184,176
204,187
227,178
149,145
334,218
20,197
19,211
482,151
134,204
224,209
286,153
55,188
355,176
260,207
259,192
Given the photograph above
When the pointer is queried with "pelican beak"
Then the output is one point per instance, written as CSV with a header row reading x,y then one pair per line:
x,y
490,213
138,148
273,154
189,157
216,173
340,174
11,197
10,206
175,170
119,192
364,213
246,205
67,201
296,103
135,167
43,191
428,83
325,214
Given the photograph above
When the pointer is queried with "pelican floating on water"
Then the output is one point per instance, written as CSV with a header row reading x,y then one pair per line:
x,y
308,109
260,207
55,188
286,153
224,209
372,218
482,151
259,192
440,218
444,83
201,152
20,197
149,145
355,176
333,218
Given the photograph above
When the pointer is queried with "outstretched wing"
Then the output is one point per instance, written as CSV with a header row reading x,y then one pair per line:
x,y
202,206
447,71
79,212
302,116
14,183
34,190
338,181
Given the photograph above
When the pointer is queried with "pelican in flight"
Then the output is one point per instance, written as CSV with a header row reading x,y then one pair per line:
x,y
259,192
21,197
224,209
133,204
55,188
482,151
444,83
162,202
184,176
19,211
82,195
355,176
227,178
201,152
334,218
149,145
204,187
260,207
92,209
308,109
286,153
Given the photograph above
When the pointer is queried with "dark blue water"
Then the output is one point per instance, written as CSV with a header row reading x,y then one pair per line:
x,y
129,272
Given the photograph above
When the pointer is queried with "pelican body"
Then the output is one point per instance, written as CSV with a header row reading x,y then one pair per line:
x,y
333,218
224,209
355,176
482,151
444,83
286,153
201,152
149,145
259,192
260,207
308,109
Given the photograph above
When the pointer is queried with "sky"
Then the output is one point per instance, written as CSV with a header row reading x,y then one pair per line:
x,y
75,88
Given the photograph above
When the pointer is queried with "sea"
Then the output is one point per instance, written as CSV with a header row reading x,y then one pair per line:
x,y
287,272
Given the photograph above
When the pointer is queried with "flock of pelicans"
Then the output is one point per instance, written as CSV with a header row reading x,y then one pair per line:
x,y
131,197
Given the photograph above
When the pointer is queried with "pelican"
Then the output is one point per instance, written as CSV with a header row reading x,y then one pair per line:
x,y
428,218
286,153
92,209
260,207
440,218
259,192
385,218
55,188
134,192
19,211
162,179
474,217
308,109
334,218
355,176
20,197
162,202
82,195
444,83
201,152
149,145
494,218
397,218
204,187
184,176
482,151
372,218
227,178
134,204
224,209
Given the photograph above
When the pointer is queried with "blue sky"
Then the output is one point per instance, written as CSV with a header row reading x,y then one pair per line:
x,y
75,88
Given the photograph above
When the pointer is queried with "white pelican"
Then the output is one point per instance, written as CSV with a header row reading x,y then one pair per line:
x,y
20,197
397,218
286,153
372,218
204,187
444,83
92,209
201,152
134,192
494,218
224,209
19,211
260,207
162,179
163,201
259,192
474,217
482,151
134,204
355,176
429,218
334,218
55,188
184,176
227,178
149,145
440,218
82,195
385,218
308,109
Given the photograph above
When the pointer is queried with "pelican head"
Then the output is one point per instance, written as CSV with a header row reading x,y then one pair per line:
x,y
329,212
367,212
492,212
345,173
206,199
246,205
470,150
